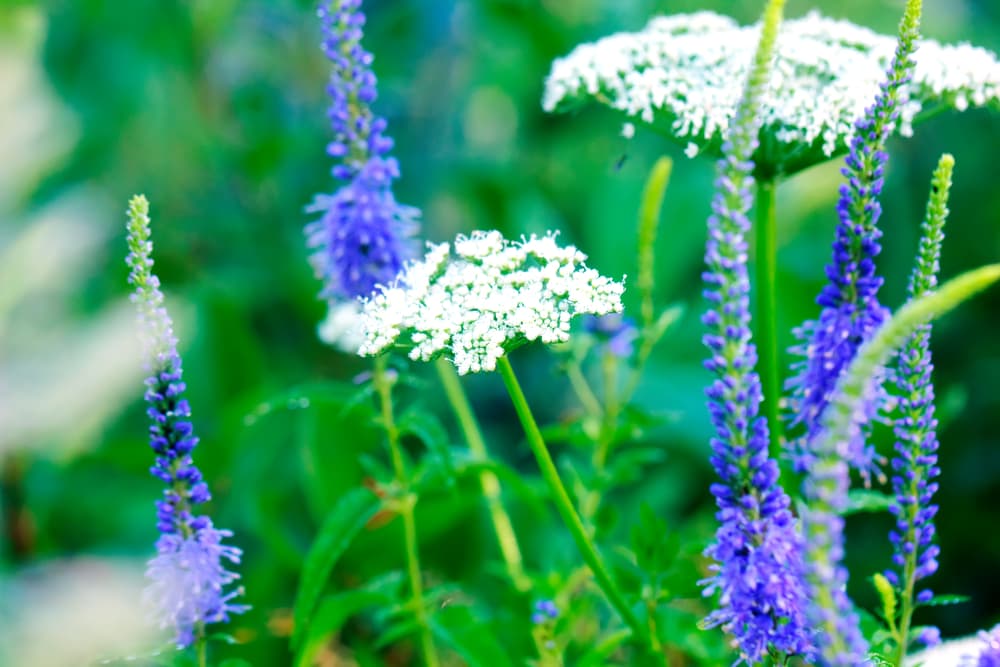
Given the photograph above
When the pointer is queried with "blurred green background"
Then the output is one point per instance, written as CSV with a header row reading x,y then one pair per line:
x,y
215,110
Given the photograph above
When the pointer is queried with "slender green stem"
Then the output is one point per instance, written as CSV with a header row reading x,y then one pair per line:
x,y
383,385
563,503
582,389
766,317
502,526
201,647
591,501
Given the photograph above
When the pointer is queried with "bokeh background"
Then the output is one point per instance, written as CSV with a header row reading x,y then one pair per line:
x,y
215,110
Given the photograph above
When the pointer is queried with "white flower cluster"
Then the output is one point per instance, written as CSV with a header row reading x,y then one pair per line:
x,y
685,73
491,293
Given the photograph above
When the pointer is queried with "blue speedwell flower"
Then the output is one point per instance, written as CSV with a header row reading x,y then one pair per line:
x,y
362,235
757,550
851,314
915,464
189,579
544,611
851,311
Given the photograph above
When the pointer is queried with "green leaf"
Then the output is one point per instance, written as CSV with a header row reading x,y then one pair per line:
x,y
867,500
334,610
341,526
888,596
457,627
944,600
426,427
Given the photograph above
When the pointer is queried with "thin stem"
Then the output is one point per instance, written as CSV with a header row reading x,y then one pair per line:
x,y
383,385
591,501
563,503
201,648
502,526
766,317
582,389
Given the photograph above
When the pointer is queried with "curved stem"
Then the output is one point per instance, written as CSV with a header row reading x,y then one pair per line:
x,y
383,385
506,538
563,503
766,317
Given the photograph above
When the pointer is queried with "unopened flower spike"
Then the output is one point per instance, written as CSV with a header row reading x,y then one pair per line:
x,y
757,552
850,309
190,585
915,463
362,237
683,75
488,295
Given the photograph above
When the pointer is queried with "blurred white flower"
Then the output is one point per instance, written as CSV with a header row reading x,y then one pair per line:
x,y
74,612
342,326
489,295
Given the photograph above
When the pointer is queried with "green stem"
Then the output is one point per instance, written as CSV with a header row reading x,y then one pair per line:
x,y
766,316
383,385
201,647
591,501
563,503
502,526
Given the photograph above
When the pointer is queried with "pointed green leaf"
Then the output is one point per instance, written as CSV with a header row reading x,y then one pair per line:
x,y
341,526
867,500
945,600
457,627
426,427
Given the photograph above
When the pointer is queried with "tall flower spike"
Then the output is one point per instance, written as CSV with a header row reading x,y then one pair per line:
x,y
850,309
915,465
757,551
188,575
362,235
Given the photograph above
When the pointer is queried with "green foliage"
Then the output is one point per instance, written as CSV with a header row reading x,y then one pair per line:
x,y
348,517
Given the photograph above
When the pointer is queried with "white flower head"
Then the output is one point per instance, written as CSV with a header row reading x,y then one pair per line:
x,y
685,74
483,298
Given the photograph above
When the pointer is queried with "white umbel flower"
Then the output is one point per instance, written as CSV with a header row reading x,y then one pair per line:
x,y
487,295
685,73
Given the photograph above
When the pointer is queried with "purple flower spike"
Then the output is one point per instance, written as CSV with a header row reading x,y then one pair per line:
x,y
362,236
188,577
850,309
915,463
758,568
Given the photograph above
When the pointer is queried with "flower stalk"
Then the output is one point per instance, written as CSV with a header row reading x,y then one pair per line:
x,y
560,497
383,386
502,526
